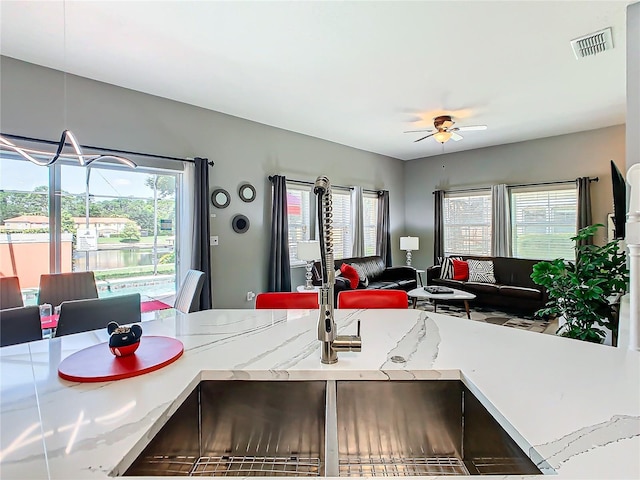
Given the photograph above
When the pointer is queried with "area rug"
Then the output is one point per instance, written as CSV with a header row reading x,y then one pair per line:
x,y
489,315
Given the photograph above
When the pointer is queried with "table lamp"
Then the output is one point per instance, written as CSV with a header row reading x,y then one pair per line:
x,y
309,251
409,244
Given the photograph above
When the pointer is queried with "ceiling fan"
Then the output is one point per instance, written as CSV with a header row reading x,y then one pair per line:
x,y
445,130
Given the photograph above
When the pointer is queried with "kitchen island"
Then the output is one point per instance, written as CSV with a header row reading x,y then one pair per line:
x,y
572,407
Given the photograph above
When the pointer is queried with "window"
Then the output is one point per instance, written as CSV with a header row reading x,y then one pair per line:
x,y
342,230
299,218
370,222
24,224
301,212
118,222
467,223
543,222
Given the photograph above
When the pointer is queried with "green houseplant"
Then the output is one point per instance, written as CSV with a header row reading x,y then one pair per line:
x,y
580,291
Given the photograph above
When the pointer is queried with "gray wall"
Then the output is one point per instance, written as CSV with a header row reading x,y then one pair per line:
x,y
633,84
101,114
564,157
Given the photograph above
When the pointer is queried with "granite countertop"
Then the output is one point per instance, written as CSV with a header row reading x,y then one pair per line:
x,y
575,405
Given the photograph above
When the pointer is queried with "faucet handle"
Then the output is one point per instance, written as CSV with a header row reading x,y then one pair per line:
x,y
348,343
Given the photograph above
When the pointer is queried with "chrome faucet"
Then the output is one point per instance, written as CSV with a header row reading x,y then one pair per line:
x,y
331,343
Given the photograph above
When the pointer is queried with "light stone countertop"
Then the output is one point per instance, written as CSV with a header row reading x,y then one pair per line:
x,y
574,404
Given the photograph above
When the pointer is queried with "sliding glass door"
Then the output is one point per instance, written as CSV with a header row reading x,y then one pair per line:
x,y
118,222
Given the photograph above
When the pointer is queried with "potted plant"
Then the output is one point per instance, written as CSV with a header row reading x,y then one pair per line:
x,y
581,292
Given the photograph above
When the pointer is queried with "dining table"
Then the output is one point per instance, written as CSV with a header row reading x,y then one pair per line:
x,y
50,322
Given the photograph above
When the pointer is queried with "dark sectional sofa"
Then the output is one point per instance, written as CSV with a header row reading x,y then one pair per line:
x,y
513,289
378,275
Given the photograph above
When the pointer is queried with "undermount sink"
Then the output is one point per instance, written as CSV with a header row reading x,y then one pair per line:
x,y
331,428
413,428
241,428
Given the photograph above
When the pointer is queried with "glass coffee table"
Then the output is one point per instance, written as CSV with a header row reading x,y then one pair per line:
x,y
421,294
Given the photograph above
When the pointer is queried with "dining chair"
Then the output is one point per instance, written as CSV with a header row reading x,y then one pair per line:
x,y
10,293
373,299
284,300
188,296
95,313
19,325
61,287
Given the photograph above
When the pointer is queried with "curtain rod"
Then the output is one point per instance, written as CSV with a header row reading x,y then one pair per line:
x,y
103,149
304,182
559,182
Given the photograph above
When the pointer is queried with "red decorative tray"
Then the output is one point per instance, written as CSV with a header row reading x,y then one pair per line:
x,y
98,364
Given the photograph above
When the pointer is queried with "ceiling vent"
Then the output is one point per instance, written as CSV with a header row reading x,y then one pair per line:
x,y
592,44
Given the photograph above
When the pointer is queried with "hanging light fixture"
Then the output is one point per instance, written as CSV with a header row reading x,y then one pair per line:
x,y
442,136
67,135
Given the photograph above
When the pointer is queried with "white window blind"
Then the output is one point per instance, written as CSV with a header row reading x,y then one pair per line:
x,y
370,223
543,222
299,218
467,223
342,244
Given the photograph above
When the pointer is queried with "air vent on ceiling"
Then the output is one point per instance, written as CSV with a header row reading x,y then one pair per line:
x,y
592,44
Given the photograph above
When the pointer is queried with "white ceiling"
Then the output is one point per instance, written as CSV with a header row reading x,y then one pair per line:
x,y
355,73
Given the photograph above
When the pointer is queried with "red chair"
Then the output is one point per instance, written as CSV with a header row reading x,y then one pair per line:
x,y
286,300
373,299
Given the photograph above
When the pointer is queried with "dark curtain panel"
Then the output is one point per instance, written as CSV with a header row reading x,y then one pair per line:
x,y
584,205
201,256
438,226
383,240
279,265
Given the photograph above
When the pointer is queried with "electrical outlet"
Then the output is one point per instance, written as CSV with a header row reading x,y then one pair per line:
x,y
214,240
250,296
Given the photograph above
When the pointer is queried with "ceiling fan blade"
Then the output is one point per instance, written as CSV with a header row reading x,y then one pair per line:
x,y
472,127
456,137
420,139
419,131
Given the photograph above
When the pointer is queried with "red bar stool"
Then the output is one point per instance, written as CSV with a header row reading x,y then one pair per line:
x,y
287,300
373,299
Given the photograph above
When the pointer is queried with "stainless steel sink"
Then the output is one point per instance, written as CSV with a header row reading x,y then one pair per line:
x,y
334,428
238,428
400,428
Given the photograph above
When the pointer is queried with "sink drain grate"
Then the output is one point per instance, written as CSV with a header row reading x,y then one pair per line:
x,y
247,466
230,466
401,467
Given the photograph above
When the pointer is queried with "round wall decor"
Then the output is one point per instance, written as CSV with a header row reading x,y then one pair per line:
x,y
240,223
247,192
220,198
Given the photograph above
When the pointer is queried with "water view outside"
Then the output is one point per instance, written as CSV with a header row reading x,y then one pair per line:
x,y
115,259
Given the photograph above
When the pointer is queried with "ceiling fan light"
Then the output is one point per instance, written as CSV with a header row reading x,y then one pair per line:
x,y
442,137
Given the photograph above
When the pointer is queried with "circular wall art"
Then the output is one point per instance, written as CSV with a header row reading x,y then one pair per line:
x,y
220,198
247,192
240,223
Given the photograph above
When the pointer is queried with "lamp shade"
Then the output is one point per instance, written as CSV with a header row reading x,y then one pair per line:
x,y
442,137
309,250
409,243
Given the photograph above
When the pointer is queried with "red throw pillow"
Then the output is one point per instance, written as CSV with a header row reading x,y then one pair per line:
x,y
460,270
350,274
